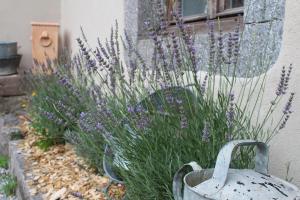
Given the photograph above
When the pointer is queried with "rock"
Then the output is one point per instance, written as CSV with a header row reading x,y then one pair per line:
x,y
58,195
11,85
33,191
3,171
12,104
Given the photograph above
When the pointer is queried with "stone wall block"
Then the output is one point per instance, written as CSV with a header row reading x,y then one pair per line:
x,y
266,10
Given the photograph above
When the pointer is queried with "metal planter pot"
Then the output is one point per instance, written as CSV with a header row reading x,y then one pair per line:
x,y
8,49
9,65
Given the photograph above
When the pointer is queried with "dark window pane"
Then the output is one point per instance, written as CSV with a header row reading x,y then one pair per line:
x,y
193,7
233,3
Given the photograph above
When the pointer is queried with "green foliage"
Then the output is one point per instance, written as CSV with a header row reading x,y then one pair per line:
x,y
155,153
16,135
4,162
53,107
10,185
89,146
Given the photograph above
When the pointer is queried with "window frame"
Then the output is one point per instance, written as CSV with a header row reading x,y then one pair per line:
x,y
216,9
222,11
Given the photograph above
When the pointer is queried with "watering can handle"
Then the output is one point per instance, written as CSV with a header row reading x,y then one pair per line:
x,y
178,178
224,159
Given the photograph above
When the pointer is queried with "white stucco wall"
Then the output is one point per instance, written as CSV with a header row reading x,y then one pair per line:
x,y
15,21
95,16
286,146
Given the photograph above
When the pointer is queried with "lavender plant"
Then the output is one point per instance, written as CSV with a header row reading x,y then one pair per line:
x,y
157,115
54,104
161,114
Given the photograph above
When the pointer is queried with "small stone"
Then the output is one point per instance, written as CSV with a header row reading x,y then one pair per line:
x,y
33,191
58,195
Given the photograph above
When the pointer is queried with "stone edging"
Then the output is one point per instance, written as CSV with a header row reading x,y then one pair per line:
x,y
17,168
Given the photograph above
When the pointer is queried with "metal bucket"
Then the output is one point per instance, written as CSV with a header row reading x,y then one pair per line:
x,y
8,49
9,65
108,169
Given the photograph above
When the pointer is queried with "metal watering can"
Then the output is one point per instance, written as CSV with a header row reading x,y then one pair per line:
x,y
223,183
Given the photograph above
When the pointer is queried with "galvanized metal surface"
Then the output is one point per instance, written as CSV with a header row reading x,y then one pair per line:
x,y
8,49
9,66
232,184
108,154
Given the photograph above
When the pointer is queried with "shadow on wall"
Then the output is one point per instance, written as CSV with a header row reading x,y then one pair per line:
x,y
66,42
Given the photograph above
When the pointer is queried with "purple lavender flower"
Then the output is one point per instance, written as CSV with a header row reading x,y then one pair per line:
x,y
130,109
82,115
236,36
85,124
206,132
52,117
99,126
287,111
183,122
179,101
103,50
220,47
203,85
287,78
117,37
229,48
129,40
139,109
162,19
288,106
284,122
112,76
112,44
183,118
230,116
281,86
176,50
133,68
170,98
68,111
143,122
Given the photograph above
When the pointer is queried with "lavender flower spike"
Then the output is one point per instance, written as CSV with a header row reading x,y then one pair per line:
x,y
206,132
230,116
203,85
287,111
287,108
281,86
82,115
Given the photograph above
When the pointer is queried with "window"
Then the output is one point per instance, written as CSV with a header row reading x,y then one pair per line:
x,y
193,10
233,4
